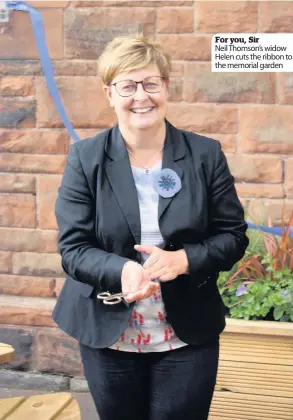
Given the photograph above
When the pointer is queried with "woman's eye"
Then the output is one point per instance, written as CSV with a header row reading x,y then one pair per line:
x,y
127,87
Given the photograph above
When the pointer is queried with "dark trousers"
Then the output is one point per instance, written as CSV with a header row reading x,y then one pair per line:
x,y
152,386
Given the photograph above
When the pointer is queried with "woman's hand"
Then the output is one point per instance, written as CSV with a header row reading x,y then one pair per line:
x,y
136,283
164,265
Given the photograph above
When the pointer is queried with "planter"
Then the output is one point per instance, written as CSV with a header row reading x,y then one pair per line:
x,y
255,377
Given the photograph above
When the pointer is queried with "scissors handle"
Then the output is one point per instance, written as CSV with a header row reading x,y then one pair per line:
x,y
109,299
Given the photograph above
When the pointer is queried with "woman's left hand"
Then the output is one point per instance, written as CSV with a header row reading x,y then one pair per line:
x,y
164,265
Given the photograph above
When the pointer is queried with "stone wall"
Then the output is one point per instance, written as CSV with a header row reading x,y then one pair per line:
x,y
250,113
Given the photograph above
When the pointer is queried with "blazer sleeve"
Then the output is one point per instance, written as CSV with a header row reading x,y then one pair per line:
x,y
82,259
227,241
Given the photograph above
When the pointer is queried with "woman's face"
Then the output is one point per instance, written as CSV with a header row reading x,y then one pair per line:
x,y
141,110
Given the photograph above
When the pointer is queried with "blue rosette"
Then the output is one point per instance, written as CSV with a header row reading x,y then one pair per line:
x,y
167,183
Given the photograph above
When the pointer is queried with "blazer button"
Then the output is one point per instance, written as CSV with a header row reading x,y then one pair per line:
x,y
171,246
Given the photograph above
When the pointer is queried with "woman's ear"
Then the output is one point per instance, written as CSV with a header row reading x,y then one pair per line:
x,y
108,93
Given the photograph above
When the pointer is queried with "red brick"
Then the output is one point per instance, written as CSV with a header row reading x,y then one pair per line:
x,y
56,352
58,286
17,38
35,264
285,88
203,118
5,262
17,210
47,189
260,190
77,94
289,178
10,183
226,16
202,85
22,310
75,68
87,31
262,210
174,20
21,339
27,286
177,69
37,141
30,240
228,141
10,162
262,169
266,129
175,89
17,86
187,47
275,16
17,113
20,68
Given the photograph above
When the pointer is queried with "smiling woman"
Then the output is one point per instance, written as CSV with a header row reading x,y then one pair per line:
x,y
148,216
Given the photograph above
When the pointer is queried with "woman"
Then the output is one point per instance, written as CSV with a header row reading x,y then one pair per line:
x,y
151,211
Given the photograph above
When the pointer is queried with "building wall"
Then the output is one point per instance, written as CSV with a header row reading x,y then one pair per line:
x,y
250,113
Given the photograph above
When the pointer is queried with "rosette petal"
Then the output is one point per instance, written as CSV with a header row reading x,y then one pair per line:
x,y
167,183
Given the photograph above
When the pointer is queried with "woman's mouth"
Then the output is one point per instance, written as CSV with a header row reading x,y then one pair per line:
x,y
142,110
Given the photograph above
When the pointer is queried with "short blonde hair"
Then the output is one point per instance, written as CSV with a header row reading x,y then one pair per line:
x,y
127,53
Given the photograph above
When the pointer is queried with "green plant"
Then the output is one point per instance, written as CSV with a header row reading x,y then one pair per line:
x,y
260,286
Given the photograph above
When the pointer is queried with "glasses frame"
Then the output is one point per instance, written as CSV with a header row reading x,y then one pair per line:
x,y
137,83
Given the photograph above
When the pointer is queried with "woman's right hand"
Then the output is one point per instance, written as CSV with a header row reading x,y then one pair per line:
x,y
136,283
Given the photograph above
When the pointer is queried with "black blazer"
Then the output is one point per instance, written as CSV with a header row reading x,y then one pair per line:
x,y
97,212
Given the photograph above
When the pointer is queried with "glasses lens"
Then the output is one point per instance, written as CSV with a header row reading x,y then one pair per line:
x,y
126,87
152,84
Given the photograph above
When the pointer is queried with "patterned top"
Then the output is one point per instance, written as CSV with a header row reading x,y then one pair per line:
x,y
148,330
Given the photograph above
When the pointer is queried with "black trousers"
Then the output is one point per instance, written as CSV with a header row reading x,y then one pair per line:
x,y
152,386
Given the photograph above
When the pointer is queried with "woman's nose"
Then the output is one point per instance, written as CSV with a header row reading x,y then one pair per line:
x,y
140,92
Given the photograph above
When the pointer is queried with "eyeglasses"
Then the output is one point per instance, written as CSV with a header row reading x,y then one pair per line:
x,y
151,84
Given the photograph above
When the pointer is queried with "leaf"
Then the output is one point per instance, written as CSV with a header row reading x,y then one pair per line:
x,y
278,313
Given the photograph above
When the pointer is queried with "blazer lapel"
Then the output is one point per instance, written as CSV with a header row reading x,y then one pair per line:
x,y
118,171
174,150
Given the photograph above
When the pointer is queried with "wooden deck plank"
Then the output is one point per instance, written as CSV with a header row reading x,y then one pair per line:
x,y
253,407
251,390
251,358
42,407
250,415
71,412
8,405
251,338
241,326
278,368
255,398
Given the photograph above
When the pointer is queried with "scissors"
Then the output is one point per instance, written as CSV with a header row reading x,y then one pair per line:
x,y
109,299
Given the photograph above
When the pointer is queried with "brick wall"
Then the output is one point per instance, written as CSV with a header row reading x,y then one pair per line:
x,y
250,113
